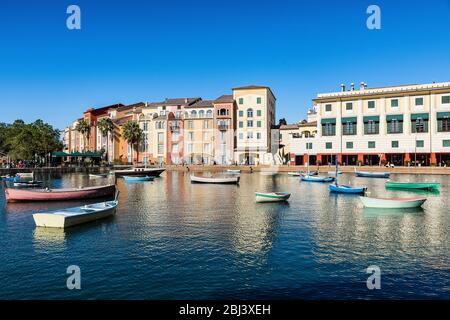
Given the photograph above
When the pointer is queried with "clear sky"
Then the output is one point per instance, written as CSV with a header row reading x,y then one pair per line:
x,y
131,51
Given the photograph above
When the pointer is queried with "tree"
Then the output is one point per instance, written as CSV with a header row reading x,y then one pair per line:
x,y
282,122
133,134
83,128
106,127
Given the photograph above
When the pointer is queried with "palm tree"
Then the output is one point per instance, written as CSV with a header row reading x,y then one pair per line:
x,y
133,134
106,126
83,128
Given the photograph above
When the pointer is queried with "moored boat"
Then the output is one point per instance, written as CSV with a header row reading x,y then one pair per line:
x,y
24,175
215,180
152,172
433,186
69,217
98,175
231,171
294,174
15,178
309,178
368,174
28,184
339,188
137,179
394,203
271,196
18,195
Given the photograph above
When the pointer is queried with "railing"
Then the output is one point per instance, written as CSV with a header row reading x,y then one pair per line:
x,y
223,127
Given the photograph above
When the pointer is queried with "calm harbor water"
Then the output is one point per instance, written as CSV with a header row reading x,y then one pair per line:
x,y
171,239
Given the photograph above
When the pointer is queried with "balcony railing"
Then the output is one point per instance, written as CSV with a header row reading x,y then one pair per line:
x,y
223,127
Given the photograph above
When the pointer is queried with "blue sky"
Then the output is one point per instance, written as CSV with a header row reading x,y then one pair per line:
x,y
130,51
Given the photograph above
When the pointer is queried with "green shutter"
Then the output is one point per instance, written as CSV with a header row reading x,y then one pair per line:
x,y
349,119
371,144
329,120
349,145
371,104
445,99
241,124
241,100
398,117
241,113
258,123
328,107
258,100
258,113
394,144
415,116
328,145
446,143
394,103
419,143
373,118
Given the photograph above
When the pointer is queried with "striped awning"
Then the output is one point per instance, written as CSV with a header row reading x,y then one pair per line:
x,y
443,115
371,118
328,120
349,119
415,116
391,117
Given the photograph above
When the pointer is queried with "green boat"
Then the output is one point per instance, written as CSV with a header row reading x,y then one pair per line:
x,y
434,186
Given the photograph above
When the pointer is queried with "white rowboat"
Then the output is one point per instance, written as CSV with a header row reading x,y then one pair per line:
x,y
73,216
230,171
294,174
395,203
215,180
271,196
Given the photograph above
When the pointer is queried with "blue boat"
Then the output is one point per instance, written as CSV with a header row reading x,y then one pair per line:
x,y
368,174
138,179
10,178
346,189
316,178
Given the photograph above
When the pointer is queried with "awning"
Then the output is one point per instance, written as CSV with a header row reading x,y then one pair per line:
x,y
416,116
391,117
443,115
329,120
349,119
371,118
59,154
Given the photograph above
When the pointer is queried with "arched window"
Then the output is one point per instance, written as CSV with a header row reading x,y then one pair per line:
x,y
193,114
201,114
223,112
209,114
250,113
186,115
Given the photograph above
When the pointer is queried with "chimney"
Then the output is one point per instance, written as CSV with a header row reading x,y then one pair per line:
x,y
342,87
185,100
363,86
352,86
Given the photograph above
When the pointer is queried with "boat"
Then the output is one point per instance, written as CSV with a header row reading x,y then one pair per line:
x,y
271,196
230,171
23,175
368,174
310,178
216,180
152,172
332,173
339,188
432,186
69,217
394,203
28,184
15,178
97,175
18,195
137,179
294,174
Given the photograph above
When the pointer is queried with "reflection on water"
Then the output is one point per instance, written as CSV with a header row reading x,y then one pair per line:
x,y
171,239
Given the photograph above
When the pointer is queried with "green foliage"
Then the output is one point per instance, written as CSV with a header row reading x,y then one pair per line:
x,y
133,134
105,126
22,141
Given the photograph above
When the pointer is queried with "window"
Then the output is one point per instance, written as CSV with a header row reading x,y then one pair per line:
x,y
419,144
201,114
175,148
328,129
258,124
193,114
394,103
250,123
250,113
241,136
209,114
371,127
190,123
394,144
205,135
371,145
349,106
189,148
443,123
328,145
445,99
241,113
371,104
241,100
349,145
160,148
206,148
160,137
419,125
145,126
249,135
328,108
446,143
309,145
395,126
349,128
419,101
206,124
190,136
258,100
258,113
241,124
258,135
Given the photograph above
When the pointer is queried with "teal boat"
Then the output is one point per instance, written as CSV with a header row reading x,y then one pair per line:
x,y
433,186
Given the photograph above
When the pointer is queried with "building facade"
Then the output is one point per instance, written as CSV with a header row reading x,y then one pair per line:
x,y
400,125
224,129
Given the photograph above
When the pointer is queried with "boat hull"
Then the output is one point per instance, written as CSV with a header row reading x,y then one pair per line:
x,y
412,185
64,219
346,189
231,180
272,197
317,179
366,174
137,179
233,171
392,203
154,172
20,195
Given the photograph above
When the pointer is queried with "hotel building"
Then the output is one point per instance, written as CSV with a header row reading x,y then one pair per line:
x,y
255,119
400,125
225,125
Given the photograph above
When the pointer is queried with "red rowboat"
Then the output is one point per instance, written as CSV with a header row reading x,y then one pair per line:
x,y
17,195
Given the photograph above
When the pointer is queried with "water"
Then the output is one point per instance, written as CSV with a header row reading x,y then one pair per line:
x,y
171,239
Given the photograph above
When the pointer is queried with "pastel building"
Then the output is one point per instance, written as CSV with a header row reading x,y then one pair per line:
x,y
401,125
224,129
255,119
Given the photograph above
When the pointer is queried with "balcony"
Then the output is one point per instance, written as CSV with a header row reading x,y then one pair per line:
x,y
223,127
